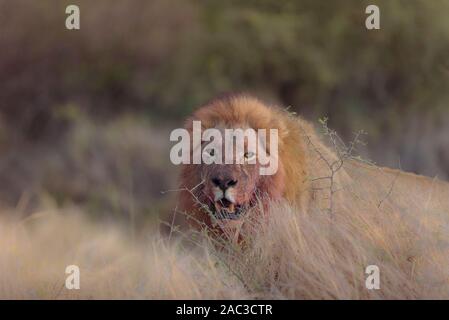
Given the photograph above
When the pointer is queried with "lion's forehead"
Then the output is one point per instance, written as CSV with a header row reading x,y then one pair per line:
x,y
240,136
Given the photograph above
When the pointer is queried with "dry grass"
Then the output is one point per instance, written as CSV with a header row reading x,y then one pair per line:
x,y
36,252
295,255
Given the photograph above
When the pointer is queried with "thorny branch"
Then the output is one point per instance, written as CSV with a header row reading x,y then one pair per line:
x,y
343,152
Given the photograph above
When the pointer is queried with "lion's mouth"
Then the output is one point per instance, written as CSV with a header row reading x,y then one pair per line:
x,y
226,210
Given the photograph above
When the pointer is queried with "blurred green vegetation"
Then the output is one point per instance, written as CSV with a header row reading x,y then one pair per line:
x,y
164,58
160,59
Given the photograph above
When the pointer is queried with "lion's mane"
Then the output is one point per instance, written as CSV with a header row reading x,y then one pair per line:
x,y
243,110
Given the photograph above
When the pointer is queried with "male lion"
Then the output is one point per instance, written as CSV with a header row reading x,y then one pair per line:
x,y
310,176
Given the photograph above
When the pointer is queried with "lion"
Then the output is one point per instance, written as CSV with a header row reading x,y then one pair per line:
x,y
310,175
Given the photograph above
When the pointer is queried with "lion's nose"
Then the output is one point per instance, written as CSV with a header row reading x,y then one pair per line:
x,y
224,183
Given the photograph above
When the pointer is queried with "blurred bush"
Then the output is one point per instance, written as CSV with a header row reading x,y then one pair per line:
x,y
105,67
116,170
166,57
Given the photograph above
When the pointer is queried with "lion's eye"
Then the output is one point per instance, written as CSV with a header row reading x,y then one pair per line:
x,y
249,155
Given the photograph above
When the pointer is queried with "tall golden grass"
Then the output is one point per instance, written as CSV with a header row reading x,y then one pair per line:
x,y
394,220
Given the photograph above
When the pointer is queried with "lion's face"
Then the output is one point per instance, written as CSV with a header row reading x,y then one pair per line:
x,y
250,174
230,186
